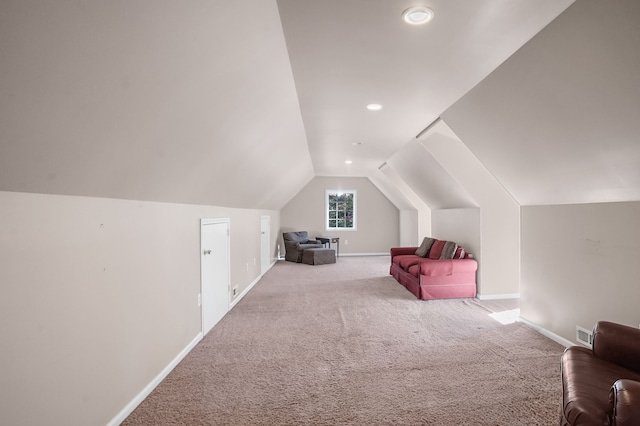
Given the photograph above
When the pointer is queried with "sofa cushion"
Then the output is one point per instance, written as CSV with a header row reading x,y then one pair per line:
x,y
436,249
448,250
414,269
424,248
436,268
408,261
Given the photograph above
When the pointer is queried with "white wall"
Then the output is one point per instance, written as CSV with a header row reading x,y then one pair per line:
x,y
557,122
409,228
580,265
151,100
98,296
499,212
378,227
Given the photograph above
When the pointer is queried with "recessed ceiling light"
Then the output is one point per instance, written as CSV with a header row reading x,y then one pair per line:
x,y
374,107
356,143
348,162
417,15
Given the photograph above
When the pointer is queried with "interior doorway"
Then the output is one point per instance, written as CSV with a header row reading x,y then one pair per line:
x,y
214,271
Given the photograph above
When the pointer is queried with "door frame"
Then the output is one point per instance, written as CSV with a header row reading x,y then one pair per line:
x,y
203,223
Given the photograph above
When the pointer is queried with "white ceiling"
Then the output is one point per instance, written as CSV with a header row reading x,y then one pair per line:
x,y
241,104
347,54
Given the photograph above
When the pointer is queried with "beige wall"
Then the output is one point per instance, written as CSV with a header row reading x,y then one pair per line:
x,y
377,221
98,296
580,265
499,212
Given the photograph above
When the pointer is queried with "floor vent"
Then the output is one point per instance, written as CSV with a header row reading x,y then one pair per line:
x,y
584,336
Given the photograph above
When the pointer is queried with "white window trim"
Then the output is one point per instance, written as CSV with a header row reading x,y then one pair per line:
x,y
355,209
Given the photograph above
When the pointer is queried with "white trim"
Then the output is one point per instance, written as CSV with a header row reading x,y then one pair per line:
x,y
352,255
137,400
128,409
561,340
498,296
327,192
362,254
244,292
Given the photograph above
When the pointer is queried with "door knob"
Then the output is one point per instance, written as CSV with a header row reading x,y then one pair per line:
x,y
206,252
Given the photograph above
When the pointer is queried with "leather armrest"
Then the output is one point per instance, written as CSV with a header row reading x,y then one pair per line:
x,y
618,344
624,403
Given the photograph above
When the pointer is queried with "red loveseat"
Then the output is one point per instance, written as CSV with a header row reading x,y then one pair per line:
x,y
433,277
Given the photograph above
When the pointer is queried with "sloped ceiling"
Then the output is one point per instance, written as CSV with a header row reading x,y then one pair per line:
x,y
559,122
347,54
204,102
190,102
428,179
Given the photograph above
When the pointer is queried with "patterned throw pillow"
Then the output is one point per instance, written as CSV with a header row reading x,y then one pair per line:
x,y
424,248
448,250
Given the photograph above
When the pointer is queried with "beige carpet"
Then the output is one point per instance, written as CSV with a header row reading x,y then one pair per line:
x,y
346,344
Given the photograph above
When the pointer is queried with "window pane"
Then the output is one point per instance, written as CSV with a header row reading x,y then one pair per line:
x,y
341,209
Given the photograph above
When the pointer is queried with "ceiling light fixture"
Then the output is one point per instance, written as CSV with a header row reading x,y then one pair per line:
x,y
348,162
417,15
374,107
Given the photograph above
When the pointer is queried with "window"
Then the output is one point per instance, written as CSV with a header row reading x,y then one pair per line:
x,y
341,209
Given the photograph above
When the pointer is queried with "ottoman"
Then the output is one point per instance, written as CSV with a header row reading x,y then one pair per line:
x,y
318,256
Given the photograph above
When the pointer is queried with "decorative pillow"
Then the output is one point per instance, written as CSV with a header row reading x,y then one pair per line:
x,y
459,253
436,249
448,250
423,250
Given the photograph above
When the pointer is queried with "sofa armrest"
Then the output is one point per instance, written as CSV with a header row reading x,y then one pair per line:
x,y
618,344
312,242
397,251
624,403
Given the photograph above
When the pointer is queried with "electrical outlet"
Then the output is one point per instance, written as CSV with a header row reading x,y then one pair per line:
x,y
346,242
254,261
235,290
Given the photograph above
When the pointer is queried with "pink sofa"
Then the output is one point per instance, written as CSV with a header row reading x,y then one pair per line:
x,y
431,277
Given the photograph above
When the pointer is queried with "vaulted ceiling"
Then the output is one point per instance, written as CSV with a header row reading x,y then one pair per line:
x,y
240,104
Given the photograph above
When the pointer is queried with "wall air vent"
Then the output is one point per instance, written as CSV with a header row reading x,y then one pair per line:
x,y
584,336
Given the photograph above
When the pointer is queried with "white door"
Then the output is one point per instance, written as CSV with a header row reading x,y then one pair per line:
x,y
214,264
265,249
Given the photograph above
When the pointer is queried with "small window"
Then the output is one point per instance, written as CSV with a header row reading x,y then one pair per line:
x,y
341,210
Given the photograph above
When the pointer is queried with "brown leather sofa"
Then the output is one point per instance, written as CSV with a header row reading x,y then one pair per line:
x,y
602,386
295,243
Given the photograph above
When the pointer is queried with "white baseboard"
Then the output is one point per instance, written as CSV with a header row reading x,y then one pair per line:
x,y
128,409
355,254
561,340
498,296
245,291
363,254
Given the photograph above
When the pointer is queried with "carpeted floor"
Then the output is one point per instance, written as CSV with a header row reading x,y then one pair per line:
x,y
346,344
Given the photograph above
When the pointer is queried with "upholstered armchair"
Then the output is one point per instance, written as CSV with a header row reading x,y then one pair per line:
x,y
295,243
